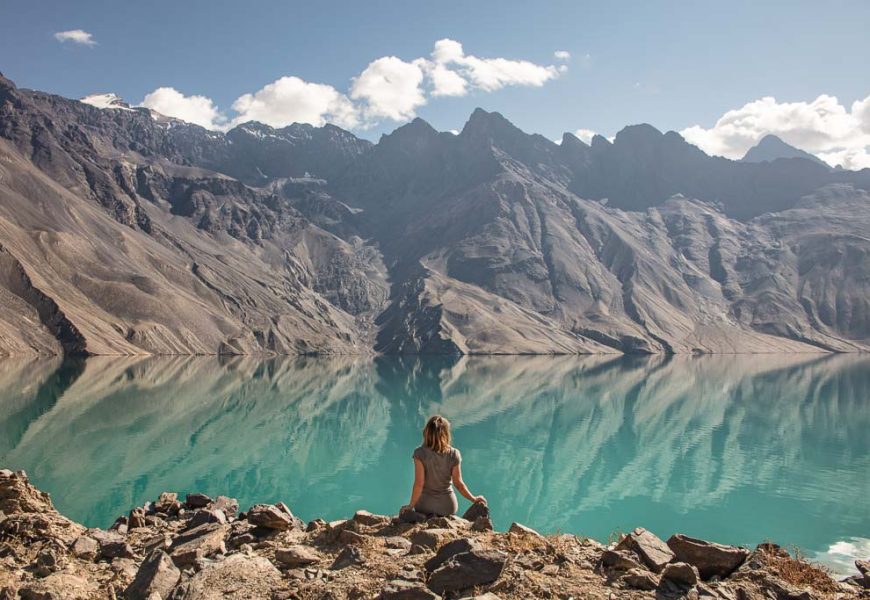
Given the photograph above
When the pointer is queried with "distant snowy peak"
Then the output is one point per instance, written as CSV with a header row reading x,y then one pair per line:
x,y
106,101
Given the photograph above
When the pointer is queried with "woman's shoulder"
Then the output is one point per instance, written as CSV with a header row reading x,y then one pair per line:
x,y
420,452
455,454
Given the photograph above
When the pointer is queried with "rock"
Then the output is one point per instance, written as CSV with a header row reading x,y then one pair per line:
x,y
197,501
85,548
168,503
475,511
640,579
315,525
450,522
519,529
429,538
47,562
863,567
710,559
349,556
418,549
270,516
116,549
481,524
486,596
229,506
449,550
620,560
409,515
238,577
348,536
203,516
243,538
398,542
157,575
649,547
296,556
59,586
469,569
196,543
399,589
136,518
680,573
364,517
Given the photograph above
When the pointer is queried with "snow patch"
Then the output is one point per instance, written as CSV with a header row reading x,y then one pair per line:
x,y
106,101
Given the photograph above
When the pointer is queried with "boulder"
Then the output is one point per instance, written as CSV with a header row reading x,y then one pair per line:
x,y
449,550
475,511
468,569
85,548
230,506
136,518
620,560
157,575
863,567
681,574
203,516
481,524
519,529
429,538
348,557
397,542
238,577
364,517
409,515
649,547
168,503
270,517
296,556
196,543
710,559
640,579
116,549
399,589
197,501
348,536
47,562
315,525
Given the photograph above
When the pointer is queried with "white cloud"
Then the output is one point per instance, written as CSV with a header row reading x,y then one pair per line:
x,y
489,74
824,126
293,100
76,36
562,55
193,109
390,88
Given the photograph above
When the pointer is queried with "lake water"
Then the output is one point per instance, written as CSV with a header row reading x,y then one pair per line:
x,y
737,449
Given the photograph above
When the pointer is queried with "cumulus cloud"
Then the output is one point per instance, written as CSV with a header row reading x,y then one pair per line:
x,y
76,36
488,74
293,100
388,88
562,55
836,134
199,110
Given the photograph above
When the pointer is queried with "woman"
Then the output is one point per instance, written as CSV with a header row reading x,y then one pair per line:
x,y
437,464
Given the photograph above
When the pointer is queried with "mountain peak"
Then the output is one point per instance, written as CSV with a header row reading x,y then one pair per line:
x,y
485,122
107,100
771,147
640,133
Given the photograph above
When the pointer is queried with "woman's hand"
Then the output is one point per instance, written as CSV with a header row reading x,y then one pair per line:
x,y
479,500
406,507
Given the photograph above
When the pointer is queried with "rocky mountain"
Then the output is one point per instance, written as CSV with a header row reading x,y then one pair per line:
x,y
123,231
771,148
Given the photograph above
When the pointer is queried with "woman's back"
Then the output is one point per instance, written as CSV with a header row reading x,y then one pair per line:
x,y
439,469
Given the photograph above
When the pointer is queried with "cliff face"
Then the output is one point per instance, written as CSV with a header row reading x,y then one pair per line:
x,y
125,232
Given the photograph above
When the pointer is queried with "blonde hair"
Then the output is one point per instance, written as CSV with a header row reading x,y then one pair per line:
x,y
436,434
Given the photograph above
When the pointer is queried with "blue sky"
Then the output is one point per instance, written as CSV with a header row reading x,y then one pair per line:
x,y
672,64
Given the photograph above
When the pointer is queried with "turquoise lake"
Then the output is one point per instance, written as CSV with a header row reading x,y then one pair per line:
x,y
737,449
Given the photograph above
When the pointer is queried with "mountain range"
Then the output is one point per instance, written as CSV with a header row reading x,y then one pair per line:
x,y
123,231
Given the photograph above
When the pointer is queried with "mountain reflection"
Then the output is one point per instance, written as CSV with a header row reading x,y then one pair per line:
x,y
737,448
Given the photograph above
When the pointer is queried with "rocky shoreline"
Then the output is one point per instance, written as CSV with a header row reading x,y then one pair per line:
x,y
203,548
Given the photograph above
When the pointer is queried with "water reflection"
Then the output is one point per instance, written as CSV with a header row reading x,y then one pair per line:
x,y
737,448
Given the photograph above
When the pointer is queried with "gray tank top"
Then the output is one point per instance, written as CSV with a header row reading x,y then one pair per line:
x,y
439,469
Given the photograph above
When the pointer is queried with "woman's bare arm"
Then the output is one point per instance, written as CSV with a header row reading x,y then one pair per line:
x,y
463,489
419,480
